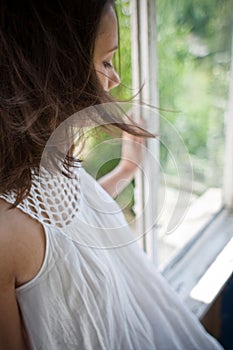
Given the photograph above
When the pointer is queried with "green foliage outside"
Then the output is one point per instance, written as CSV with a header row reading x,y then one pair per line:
x,y
194,45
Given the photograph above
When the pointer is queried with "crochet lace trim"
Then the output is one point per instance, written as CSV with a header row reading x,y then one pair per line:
x,y
53,199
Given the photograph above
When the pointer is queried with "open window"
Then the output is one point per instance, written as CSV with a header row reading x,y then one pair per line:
x,y
181,54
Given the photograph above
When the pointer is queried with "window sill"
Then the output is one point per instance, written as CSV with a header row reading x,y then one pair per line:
x,y
201,269
198,216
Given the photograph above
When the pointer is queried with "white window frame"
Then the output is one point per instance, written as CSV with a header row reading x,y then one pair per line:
x,y
204,255
144,66
228,160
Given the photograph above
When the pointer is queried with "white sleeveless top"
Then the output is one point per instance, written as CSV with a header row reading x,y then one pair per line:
x,y
96,289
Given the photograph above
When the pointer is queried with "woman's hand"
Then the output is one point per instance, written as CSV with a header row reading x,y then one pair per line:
x,y
131,153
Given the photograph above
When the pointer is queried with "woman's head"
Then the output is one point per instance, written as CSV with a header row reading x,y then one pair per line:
x,y
54,61
47,73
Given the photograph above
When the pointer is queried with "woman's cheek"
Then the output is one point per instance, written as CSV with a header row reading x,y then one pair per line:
x,y
103,79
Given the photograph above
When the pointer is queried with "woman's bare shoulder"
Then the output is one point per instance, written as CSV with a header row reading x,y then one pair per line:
x,y
13,222
22,243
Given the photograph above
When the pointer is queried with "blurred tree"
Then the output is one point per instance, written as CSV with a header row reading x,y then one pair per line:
x,y
194,40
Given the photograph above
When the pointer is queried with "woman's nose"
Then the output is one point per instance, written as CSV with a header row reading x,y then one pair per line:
x,y
113,81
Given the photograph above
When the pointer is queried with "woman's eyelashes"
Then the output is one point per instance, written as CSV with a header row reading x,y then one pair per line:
x,y
107,65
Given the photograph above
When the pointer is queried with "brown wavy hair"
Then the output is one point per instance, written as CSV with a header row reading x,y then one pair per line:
x,y
47,74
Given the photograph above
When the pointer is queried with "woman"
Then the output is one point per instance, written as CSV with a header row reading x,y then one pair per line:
x,y
61,285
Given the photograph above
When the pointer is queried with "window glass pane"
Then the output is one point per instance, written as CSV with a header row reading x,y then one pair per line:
x,y
194,49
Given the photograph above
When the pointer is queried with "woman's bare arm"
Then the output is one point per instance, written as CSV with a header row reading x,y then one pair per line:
x,y
22,249
131,156
11,335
